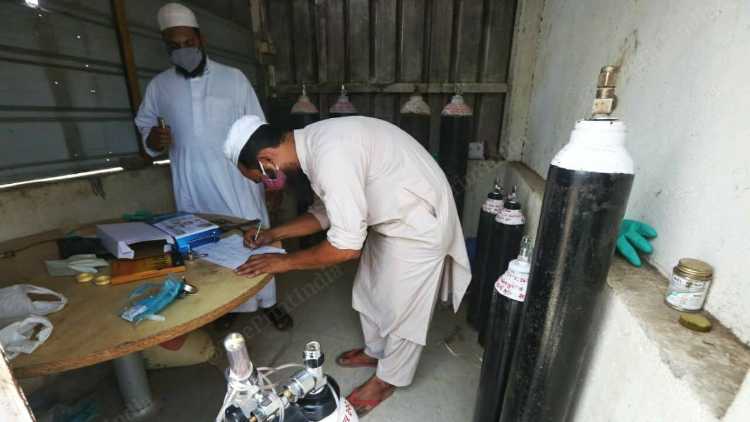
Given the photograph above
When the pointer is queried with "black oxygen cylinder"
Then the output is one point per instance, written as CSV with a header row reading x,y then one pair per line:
x,y
342,107
585,197
455,129
491,206
278,115
415,119
508,295
303,112
506,241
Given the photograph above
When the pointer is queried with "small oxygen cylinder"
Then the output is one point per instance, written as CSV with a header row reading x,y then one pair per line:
x,y
585,197
303,111
415,119
342,107
491,206
507,234
455,130
278,115
508,295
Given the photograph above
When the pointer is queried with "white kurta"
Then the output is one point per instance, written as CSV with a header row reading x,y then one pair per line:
x,y
377,183
199,112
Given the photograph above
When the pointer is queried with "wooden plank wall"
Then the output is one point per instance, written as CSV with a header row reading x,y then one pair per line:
x,y
378,42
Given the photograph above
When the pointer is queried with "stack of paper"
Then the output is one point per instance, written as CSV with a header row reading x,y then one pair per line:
x,y
230,252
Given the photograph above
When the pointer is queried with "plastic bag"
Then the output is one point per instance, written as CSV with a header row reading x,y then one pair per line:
x,y
15,302
25,336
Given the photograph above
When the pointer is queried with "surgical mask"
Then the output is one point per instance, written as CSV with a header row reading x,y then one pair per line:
x,y
275,183
187,58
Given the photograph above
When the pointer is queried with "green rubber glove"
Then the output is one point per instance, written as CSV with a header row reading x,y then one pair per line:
x,y
633,237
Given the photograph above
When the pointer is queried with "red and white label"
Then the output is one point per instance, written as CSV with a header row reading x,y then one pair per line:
x,y
513,285
510,217
492,206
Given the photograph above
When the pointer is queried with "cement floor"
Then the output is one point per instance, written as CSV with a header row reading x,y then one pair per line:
x,y
444,388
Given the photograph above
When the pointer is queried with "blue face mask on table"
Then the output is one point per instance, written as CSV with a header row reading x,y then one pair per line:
x,y
143,304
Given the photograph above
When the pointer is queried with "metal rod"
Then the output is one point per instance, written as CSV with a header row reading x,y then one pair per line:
x,y
397,88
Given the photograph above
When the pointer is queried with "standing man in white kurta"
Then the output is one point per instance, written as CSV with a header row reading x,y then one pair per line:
x,y
199,99
383,198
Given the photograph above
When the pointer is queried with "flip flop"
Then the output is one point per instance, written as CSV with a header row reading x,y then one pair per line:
x,y
343,358
362,406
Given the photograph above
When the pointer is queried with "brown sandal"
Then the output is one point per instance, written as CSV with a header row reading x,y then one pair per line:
x,y
363,406
344,360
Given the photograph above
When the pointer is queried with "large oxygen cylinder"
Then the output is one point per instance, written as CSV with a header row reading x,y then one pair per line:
x,y
342,107
303,112
508,295
585,197
455,129
506,241
415,119
491,206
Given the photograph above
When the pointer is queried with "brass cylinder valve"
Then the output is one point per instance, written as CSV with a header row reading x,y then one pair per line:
x,y
606,100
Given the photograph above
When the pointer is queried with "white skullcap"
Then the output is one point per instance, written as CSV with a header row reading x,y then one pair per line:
x,y
175,14
239,133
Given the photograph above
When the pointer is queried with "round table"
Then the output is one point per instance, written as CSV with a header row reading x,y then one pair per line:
x,y
89,330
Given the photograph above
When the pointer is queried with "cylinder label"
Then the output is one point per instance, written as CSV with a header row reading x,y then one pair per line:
x,y
687,294
512,285
492,206
510,217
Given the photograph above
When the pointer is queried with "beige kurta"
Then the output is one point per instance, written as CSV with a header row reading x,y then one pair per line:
x,y
377,183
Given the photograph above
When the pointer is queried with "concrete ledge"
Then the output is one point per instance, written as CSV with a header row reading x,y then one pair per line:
x,y
645,366
713,364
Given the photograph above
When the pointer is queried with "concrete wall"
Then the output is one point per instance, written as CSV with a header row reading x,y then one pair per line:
x,y
682,95
68,204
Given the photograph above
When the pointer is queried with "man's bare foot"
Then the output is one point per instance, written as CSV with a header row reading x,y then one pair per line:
x,y
356,359
370,394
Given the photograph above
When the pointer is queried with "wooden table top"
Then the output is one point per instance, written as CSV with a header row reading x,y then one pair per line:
x,y
89,330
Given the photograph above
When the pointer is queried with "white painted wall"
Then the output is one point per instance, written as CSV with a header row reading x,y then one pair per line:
x,y
683,94
27,211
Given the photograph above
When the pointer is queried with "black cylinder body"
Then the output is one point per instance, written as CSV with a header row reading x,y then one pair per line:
x,y
581,214
453,155
300,120
279,116
479,269
493,204
506,243
502,333
418,126
304,113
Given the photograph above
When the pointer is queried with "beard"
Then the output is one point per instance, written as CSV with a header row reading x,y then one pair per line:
x,y
198,71
296,179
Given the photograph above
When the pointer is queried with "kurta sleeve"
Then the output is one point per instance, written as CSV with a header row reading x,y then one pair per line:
x,y
249,99
341,169
318,210
147,117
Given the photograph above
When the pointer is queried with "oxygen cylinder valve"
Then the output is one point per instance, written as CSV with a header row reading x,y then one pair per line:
x,y
498,188
606,100
525,254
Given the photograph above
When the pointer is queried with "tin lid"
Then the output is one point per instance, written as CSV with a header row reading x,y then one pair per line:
x,y
695,268
695,322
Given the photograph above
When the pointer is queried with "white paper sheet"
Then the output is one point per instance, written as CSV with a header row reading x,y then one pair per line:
x,y
230,252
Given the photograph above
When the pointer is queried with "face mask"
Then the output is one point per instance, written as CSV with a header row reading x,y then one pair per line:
x,y
276,183
187,58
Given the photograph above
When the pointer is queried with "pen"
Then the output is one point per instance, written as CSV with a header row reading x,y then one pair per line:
x,y
257,232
